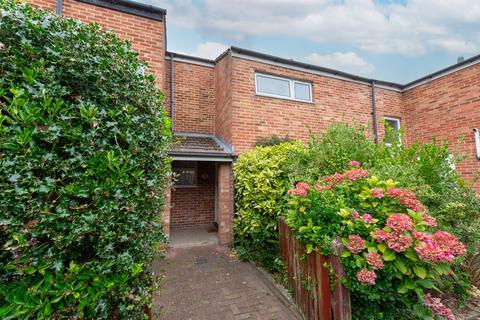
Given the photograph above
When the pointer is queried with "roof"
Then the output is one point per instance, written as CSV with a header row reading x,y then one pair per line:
x,y
196,146
131,7
263,57
312,67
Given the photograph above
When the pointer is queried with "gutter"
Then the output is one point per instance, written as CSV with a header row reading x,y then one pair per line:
x,y
374,113
130,7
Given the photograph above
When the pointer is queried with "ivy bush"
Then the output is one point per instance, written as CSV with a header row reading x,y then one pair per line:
x,y
394,251
262,179
83,165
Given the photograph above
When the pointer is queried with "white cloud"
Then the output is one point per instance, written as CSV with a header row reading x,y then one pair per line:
x,y
344,61
418,27
455,45
209,50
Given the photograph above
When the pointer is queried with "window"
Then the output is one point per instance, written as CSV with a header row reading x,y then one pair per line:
x,y
185,173
271,86
392,131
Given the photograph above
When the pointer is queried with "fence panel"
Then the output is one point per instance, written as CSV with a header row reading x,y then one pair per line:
x,y
309,279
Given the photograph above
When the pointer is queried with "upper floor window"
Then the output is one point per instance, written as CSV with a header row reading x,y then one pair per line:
x,y
272,86
392,131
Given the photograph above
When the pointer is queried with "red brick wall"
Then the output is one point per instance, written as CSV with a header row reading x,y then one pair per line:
x,y
195,206
448,108
194,97
335,100
146,35
225,203
223,98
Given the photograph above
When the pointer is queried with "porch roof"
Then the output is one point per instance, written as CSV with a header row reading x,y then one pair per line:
x,y
200,147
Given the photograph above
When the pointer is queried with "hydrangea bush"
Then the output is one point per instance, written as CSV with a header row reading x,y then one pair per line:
x,y
83,165
393,249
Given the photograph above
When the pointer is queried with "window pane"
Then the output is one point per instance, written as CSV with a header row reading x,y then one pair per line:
x,y
392,131
274,86
302,91
185,173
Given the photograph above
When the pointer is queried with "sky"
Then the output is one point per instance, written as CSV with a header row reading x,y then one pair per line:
x,y
391,40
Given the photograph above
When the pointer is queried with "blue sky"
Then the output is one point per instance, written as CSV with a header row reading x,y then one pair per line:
x,y
396,40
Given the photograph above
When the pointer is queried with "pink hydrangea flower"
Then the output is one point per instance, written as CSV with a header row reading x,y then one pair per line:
x,y
356,174
399,242
355,243
448,240
375,260
376,193
441,247
356,215
320,187
367,218
334,179
297,192
354,163
429,220
301,189
406,198
303,185
400,222
379,235
438,308
366,277
422,236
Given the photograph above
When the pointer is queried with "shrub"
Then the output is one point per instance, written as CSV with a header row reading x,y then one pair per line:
x,y
272,140
261,183
83,158
393,252
424,168
330,151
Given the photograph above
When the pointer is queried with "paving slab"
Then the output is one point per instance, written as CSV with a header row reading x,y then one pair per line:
x,y
209,282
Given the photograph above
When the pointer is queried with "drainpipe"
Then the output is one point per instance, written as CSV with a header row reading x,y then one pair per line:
x,y
171,91
374,114
59,7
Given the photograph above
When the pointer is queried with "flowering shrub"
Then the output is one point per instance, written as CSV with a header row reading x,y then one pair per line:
x,y
393,249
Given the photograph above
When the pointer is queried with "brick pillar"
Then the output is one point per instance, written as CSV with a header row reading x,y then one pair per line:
x,y
225,203
166,212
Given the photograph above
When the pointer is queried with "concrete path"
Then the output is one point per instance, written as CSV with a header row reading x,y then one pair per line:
x,y
209,283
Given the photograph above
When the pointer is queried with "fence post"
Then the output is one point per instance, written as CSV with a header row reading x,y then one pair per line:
x,y
341,296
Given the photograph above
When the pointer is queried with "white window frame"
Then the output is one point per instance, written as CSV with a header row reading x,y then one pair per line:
x,y
398,121
291,82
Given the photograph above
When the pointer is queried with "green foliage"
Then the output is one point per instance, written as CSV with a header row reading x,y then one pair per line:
x,y
261,183
330,152
425,168
272,141
83,161
385,233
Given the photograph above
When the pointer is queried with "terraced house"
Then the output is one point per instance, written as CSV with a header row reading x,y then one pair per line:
x,y
221,108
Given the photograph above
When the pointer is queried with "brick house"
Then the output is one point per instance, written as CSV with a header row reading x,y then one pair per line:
x,y
221,107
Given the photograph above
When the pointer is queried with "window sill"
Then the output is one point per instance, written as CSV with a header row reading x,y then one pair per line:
x,y
283,98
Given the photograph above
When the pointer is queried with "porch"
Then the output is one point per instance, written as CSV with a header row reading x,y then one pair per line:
x,y
199,206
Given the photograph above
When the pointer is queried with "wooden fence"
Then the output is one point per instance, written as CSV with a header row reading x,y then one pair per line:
x,y
309,279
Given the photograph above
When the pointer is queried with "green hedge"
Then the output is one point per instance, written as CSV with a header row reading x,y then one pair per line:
x,y
83,162
262,180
